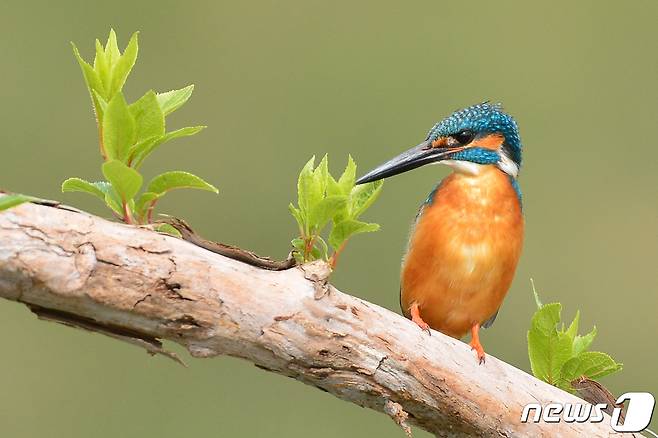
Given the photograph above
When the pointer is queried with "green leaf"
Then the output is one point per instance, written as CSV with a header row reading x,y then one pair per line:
x,y
322,212
174,99
91,77
144,148
546,319
322,199
124,180
178,180
121,65
572,331
297,214
348,178
118,129
80,185
149,119
100,189
591,364
299,248
316,254
101,104
559,356
112,48
101,65
321,175
306,188
9,201
345,229
333,188
548,349
143,204
322,247
168,229
582,343
92,80
113,200
362,197
298,244
548,354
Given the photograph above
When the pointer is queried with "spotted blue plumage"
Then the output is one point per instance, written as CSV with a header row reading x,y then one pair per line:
x,y
483,119
477,155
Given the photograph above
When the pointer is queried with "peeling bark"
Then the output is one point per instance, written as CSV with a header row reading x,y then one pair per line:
x,y
141,286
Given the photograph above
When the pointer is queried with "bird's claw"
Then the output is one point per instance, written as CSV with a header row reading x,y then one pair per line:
x,y
423,325
481,357
475,343
479,352
415,317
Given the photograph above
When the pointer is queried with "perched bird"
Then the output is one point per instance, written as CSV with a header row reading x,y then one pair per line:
x,y
467,237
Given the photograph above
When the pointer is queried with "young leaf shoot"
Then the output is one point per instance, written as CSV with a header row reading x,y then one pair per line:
x,y
559,356
129,133
322,201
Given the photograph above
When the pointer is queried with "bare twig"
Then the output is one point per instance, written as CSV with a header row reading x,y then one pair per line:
x,y
229,251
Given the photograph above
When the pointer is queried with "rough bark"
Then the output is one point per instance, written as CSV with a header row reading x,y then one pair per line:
x,y
141,286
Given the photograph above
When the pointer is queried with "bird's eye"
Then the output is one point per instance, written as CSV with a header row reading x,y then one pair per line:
x,y
464,137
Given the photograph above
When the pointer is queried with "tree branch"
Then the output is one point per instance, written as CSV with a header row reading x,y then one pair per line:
x,y
141,286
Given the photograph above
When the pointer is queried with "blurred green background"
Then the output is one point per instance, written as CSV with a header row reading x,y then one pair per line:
x,y
280,81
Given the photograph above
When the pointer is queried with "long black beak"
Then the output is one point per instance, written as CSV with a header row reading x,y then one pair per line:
x,y
415,157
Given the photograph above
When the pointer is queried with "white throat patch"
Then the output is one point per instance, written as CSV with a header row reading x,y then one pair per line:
x,y
507,165
466,167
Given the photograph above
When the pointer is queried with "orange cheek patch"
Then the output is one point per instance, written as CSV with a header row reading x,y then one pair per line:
x,y
440,142
492,141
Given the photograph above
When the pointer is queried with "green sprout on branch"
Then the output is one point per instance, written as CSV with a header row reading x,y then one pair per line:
x,y
322,200
559,356
129,133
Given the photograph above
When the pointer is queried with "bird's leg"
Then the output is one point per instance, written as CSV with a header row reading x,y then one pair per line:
x,y
475,342
415,317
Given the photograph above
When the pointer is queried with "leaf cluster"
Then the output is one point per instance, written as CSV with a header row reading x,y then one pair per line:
x,y
559,355
129,133
321,201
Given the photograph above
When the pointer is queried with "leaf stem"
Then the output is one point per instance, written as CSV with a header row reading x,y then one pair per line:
x,y
149,215
310,241
333,260
127,217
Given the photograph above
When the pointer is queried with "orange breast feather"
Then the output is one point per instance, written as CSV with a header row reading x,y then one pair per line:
x,y
463,251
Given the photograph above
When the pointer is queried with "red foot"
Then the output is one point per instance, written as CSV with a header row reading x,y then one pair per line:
x,y
475,343
415,317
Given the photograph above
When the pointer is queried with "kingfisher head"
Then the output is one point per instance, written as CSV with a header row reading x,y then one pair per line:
x,y
477,136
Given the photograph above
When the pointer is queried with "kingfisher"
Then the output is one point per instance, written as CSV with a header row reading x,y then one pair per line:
x,y
466,239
